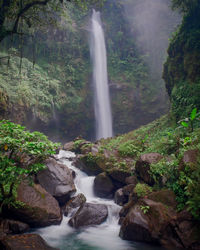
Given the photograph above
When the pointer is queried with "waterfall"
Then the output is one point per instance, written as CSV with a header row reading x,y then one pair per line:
x,y
103,113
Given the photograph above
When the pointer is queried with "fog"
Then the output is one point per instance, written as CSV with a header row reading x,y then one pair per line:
x,y
152,23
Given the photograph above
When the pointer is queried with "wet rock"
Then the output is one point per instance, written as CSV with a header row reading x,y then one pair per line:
x,y
120,198
131,180
74,204
142,166
182,232
69,146
119,177
57,180
8,226
25,241
39,209
88,165
122,194
88,215
139,225
165,196
126,208
103,186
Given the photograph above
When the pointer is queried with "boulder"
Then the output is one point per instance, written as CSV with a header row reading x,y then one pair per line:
x,y
142,166
69,146
182,232
119,177
88,164
119,197
57,180
155,222
103,186
126,208
24,241
131,180
122,194
145,221
190,156
164,196
8,226
88,215
39,207
72,205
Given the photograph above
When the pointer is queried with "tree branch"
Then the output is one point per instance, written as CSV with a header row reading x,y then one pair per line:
x,y
25,9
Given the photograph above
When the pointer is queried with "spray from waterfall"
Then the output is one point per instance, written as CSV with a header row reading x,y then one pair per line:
x,y
103,113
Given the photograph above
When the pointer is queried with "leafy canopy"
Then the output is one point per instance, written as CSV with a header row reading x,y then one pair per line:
x,y
15,14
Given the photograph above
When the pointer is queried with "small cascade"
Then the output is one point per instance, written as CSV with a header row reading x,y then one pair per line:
x,y
101,237
103,113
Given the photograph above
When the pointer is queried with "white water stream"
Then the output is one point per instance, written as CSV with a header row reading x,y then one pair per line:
x,y
103,113
101,237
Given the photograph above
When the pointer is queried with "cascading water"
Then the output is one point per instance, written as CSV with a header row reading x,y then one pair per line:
x,y
103,113
101,237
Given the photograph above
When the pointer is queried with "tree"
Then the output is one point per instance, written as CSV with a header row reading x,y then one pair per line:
x,y
14,11
185,6
21,155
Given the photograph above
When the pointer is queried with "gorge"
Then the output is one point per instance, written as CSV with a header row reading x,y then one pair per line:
x,y
97,77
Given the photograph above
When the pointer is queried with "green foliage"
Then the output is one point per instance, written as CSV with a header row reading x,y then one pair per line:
x,y
93,159
189,122
189,180
145,209
165,169
128,149
163,136
22,155
77,144
185,98
142,190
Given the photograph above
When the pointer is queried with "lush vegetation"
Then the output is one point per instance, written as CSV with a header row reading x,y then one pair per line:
x,y
22,155
171,140
181,70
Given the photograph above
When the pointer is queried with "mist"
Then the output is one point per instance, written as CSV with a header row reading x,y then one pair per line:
x,y
152,23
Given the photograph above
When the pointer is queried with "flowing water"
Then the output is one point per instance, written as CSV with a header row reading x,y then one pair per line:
x,y
101,237
103,113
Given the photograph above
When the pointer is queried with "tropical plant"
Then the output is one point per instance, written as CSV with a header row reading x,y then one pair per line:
x,y
22,155
189,121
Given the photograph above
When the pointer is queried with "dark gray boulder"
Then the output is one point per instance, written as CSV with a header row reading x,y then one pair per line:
x,y
142,166
122,195
57,180
8,226
24,241
103,186
88,215
39,207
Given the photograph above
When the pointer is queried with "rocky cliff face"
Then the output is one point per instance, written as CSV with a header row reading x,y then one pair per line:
x,y
182,68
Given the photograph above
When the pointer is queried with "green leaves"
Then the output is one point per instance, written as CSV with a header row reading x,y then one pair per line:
x,y
184,124
22,155
193,114
189,122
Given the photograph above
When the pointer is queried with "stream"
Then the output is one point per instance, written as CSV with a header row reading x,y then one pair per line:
x,y
101,237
